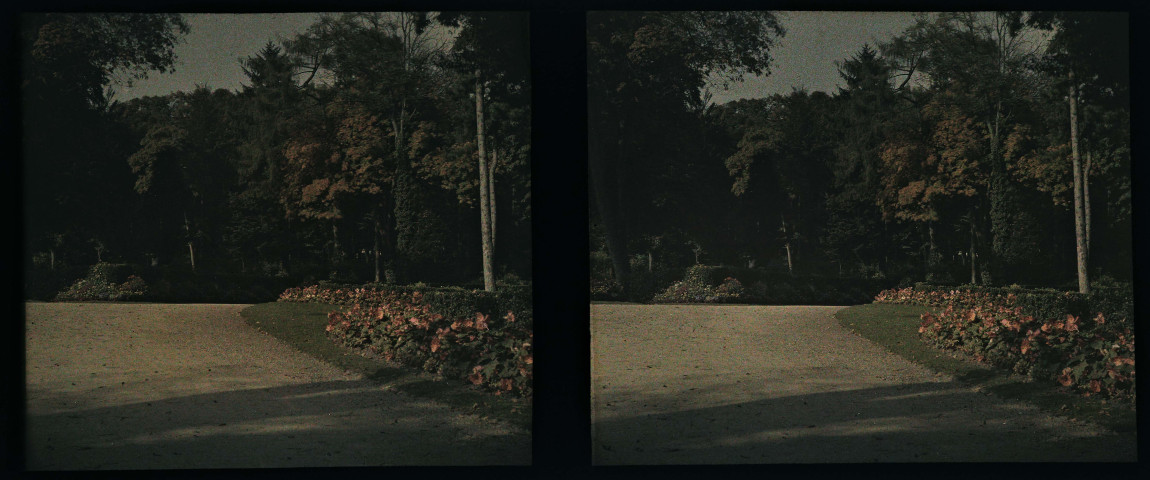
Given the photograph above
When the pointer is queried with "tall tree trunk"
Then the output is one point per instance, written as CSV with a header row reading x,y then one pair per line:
x,y
484,208
491,196
599,162
1086,198
973,270
335,253
375,232
930,252
1079,204
787,246
191,249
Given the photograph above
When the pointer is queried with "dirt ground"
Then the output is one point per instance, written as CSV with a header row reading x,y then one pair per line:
x,y
154,386
706,384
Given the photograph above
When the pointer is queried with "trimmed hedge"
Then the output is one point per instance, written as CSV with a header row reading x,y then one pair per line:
x,y
1083,342
723,284
482,337
448,301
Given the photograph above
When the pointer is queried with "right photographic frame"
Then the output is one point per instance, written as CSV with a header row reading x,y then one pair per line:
x,y
858,237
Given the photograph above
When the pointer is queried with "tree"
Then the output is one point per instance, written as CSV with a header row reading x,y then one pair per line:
x,y
1083,51
382,66
493,47
642,64
981,61
76,183
182,166
865,109
267,105
780,165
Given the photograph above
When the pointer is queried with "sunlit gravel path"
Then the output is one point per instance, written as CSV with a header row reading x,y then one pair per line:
x,y
155,386
706,384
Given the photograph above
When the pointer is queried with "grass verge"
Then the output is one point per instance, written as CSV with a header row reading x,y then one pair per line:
x,y
895,327
301,325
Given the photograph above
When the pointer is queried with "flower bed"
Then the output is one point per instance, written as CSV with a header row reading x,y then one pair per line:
x,y
430,331
1085,343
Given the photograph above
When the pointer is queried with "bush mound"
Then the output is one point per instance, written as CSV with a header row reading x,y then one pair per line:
x,y
485,338
103,282
176,284
722,284
1083,342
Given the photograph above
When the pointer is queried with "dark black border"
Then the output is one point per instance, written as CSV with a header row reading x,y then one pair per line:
x,y
561,437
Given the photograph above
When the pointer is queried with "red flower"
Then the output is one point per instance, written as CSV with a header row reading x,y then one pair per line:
x,y
1065,379
476,376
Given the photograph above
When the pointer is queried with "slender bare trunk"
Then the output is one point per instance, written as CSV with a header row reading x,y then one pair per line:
x,y
973,272
191,249
375,244
484,209
1079,204
1086,199
787,246
491,195
334,242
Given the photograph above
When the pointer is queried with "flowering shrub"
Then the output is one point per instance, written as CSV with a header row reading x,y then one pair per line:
x,y
605,289
1088,353
405,326
699,286
688,290
729,290
98,286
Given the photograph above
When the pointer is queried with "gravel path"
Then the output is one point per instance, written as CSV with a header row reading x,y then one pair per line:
x,y
154,386
705,384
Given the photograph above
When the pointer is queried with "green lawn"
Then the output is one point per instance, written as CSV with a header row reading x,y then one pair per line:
x,y
301,325
895,327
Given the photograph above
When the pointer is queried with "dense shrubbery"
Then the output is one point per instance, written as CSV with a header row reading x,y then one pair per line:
x,y
709,284
485,338
605,289
163,284
102,283
1084,342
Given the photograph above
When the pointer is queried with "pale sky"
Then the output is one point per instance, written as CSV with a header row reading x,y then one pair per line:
x,y
806,55
209,55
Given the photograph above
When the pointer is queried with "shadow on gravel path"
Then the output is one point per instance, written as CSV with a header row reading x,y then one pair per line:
x,y
335,423
917,422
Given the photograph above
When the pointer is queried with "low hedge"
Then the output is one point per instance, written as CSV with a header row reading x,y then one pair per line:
x,y
1083,342
447,301
482,337
722,284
